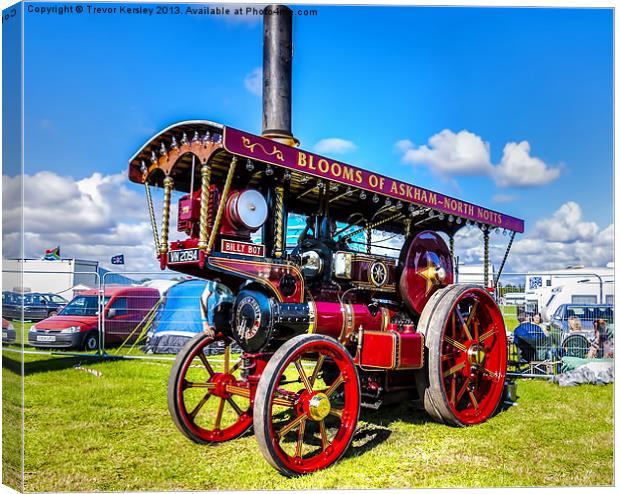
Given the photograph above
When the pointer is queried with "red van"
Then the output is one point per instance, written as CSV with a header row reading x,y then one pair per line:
x,y
75,326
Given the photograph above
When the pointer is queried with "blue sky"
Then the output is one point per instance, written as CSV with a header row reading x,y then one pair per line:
x,y
97,87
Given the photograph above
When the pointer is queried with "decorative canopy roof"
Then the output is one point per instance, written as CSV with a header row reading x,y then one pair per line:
x,y
186,145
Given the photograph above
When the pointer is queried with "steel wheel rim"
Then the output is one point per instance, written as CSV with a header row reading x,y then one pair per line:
x,y
314,443
473,357
223,395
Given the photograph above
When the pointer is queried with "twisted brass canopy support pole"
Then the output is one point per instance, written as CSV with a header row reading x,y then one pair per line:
x,y
220,208
149,202
205,175
452,246
165,222
279,219
486,257
368,239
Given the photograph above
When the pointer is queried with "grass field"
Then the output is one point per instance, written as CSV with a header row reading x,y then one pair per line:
x,y
113,432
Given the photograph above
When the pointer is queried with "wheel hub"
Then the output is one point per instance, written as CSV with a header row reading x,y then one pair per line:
x,y
476,355
319,406
221,381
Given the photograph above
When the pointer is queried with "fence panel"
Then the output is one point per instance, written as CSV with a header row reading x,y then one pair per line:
x,y
546,328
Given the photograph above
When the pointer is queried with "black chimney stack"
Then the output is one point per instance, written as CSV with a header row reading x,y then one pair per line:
x,y
277,68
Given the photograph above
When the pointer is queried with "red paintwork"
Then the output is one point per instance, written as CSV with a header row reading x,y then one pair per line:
x,y
488,388
266,273
338,320
425,249
391,350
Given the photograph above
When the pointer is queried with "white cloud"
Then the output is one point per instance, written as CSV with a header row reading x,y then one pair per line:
x,y
561,240
334,145
566,225
518,169
450,154
254,81
92,218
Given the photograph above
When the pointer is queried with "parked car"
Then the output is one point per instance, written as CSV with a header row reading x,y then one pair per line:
x,y
36,306
576,342
8,332
76,326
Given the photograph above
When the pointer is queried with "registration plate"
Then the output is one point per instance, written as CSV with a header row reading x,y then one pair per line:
x,y
181,256
46,338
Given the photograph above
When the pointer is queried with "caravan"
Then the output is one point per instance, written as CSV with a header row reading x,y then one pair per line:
x,y
545,292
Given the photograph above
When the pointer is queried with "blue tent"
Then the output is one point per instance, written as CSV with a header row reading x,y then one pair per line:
x,y
181,314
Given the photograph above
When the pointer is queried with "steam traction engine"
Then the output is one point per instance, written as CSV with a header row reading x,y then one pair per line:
x,y
325,323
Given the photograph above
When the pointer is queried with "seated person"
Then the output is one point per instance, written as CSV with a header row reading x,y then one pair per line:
x,y
531,340
574,324
603,344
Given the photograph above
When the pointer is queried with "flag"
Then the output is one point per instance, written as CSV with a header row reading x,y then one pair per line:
x,y
120,259
52,254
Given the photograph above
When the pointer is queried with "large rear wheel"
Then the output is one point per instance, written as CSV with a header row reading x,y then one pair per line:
x,y
208,399
466,343
307,405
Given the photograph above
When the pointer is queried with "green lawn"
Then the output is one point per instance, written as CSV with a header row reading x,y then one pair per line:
x,y
88,433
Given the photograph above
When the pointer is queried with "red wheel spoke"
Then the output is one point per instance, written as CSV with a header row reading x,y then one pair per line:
x,y
235,367
199,406
286,398
302,375
455,344
462,391
454,369
317,369
492,375
324,441
206,363
486,335
464,325
450,356
218,416
334,385
473,399
189,384
226,358
291,425
300,439
238,390
453,318
453,389
470,318
234,406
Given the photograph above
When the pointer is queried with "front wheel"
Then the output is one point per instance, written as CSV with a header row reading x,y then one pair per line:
x,y
91,342
208,398
307,405
467,349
